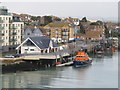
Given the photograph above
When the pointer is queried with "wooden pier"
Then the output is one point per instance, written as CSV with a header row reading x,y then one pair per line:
x,y
6,61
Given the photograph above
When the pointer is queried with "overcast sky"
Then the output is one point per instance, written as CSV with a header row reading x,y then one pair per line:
x,y
92,10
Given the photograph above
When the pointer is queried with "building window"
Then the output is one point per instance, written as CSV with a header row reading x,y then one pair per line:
x,y
32,50
28,33
56,29
9,19
26,49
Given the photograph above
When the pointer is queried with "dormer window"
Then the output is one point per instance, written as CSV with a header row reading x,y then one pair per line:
x,y
28,34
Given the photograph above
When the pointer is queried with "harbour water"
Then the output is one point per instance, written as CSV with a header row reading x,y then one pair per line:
x,y
102,73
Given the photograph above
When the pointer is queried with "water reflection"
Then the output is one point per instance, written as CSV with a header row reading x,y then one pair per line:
x,y
101,74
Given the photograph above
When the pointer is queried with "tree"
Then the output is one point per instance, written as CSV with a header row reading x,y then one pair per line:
x,y
33,18
115,34
38,17
82,29
57,19
97,23
100,22
84,19
27,23
94,23
47,19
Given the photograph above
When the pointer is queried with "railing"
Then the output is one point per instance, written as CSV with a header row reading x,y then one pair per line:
x,y
17,21
65,33
1,28
13,28
65,37
13,40
22,39
22,28
10,21
14,33
2,34
1,21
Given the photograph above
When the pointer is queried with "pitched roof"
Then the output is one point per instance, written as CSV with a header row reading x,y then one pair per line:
x,y
91,34
42,42
32,28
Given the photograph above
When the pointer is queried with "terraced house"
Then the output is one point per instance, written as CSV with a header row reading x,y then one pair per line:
x,y
60,31
12,29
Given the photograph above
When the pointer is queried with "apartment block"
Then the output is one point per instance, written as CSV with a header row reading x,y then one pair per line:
x,y
12,29
60,31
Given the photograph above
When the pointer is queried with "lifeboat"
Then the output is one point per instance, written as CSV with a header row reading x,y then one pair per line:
x,y
82,59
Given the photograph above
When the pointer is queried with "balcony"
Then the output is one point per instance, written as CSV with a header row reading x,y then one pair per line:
x,y
2,34
10,21
13,28
14,33
1,28
65,33
22,33
22,28
1,21
13,40
65,37
65,30
22,39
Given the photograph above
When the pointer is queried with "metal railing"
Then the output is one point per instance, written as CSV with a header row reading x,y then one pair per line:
x,y
1,28
13,28
13,40
1,21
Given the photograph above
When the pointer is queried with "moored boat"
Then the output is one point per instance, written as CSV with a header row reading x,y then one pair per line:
x,y
82,59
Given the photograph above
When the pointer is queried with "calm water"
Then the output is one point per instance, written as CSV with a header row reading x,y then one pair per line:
x,y
103,73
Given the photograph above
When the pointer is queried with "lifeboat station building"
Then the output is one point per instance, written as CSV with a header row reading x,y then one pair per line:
x,y
37,45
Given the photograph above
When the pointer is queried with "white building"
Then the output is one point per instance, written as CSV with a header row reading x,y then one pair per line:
x,y
12,29
37,45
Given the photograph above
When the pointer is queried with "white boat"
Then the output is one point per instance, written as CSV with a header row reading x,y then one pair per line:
x,y
65,64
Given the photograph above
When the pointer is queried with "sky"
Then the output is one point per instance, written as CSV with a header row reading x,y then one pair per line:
x,y
105,11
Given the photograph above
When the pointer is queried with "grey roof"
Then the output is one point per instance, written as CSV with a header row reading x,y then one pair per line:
x,y
37,31
43,42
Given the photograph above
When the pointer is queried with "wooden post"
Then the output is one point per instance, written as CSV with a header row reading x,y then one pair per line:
x,y
17,51
56,57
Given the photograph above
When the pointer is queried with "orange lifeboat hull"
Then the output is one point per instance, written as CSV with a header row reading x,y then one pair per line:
x,y
82,59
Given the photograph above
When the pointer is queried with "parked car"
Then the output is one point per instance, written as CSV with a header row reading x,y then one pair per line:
x,y
12,56
9,56
16,55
